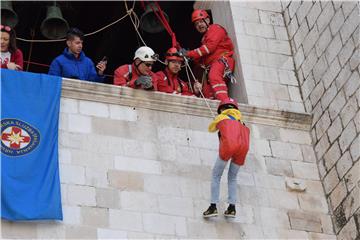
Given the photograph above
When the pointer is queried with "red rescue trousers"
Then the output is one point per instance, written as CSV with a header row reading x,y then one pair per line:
x,y
216,79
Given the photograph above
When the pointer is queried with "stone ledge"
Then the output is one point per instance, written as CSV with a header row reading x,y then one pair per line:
x,y
106,93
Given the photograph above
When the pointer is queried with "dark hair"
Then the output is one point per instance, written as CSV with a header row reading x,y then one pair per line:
x,y
74,32
12,40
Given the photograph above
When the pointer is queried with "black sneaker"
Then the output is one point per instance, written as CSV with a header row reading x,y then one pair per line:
x,y
230,211
210,212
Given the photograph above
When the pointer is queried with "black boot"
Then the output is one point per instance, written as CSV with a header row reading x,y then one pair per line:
x,y
211,211
230,211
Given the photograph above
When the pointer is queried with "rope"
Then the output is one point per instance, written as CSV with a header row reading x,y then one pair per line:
x,y
201,93
86,35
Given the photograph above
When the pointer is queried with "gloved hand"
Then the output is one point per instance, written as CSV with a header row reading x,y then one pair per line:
x,y
183,52
144,81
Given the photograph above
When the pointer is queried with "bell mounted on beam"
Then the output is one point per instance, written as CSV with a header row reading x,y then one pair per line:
x,y
54,25
149,22
8,15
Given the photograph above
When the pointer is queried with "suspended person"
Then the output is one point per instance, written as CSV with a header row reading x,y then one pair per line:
x,y
234,145
11,57
73,63
168,79
138,74
215,55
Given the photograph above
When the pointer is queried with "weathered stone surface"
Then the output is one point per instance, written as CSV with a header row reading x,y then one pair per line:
x,y
304,221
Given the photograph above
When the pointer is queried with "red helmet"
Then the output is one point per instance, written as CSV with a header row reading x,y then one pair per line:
x,y
172,54
199,14
227,102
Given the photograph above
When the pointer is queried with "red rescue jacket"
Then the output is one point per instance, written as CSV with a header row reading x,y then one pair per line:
x,y
171,83
215,44
234,141
126,75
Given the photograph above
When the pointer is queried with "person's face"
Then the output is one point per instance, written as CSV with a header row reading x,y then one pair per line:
x,y
5,40
201,26
174,66
144,67
75,45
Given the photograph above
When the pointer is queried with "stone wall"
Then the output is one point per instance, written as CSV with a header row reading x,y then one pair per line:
x,y
137,164
324,39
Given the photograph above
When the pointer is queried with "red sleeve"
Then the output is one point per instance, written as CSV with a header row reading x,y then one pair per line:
x,y
154,79
161,84
121,75
18,58
214,35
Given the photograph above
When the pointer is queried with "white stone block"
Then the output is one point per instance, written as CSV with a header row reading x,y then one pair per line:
x,y
294,93
240,13
309,63
139,201
72,174
278,46
104,233
303,10
260,30
322,125
94,109
264,74
313,203
301,34
349,111
281,33
295,136
347,136
305,170
344,164
343,76
325,17
346,52
333,49
293,7
283,199
307,87
255,88
313,14
286,150
188,155
350,25
176,206
291,106
272,18
287,77
352,85
79,123
319,69
355,60
337,104
64,155
50,230
96,176
293,27
199,139
328,96
68,105
336,22
81,195
275,218
274,6
71,215
172,135
269,181
277,233
331,73
347,7
137,165
169,185
276,91
125,220
317,93
123,113
332,156
308,153
330,180
334,130
338,194
163,224
354,149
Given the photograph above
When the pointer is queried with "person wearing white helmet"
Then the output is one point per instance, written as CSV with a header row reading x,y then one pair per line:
x,y
138,74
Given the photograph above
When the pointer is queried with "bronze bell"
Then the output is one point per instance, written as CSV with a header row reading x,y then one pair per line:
x,y
54,25
149,22
8,16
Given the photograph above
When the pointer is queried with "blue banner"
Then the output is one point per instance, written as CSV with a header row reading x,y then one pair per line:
x,y
30,185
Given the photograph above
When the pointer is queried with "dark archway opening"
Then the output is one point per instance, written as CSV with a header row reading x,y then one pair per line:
x,y
117,42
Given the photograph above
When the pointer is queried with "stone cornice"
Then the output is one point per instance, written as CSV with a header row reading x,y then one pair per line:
x,y
106,93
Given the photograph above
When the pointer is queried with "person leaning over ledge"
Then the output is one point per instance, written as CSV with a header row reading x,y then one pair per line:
x,y
73,63
138,74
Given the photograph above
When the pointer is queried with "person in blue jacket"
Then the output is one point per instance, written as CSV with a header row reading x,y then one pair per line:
x,y
73,63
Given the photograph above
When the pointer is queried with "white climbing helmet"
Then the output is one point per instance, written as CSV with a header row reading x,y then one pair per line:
x,y
145,54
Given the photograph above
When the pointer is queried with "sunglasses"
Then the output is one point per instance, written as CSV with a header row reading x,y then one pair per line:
x,y
6,28
148,64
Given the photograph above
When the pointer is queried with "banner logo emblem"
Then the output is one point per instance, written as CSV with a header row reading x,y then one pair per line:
x,y
17,137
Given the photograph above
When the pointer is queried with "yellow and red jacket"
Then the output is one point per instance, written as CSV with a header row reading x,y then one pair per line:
x,y
215,44
234,136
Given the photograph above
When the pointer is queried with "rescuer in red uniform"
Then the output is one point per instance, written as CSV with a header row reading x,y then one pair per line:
x,y
138,74
215,54
168,79
234,145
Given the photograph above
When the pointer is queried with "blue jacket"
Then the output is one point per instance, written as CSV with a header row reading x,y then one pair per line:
x,y
68,66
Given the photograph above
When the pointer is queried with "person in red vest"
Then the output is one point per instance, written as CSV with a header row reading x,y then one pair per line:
x,y
215,55
234,145
168,79
138,74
